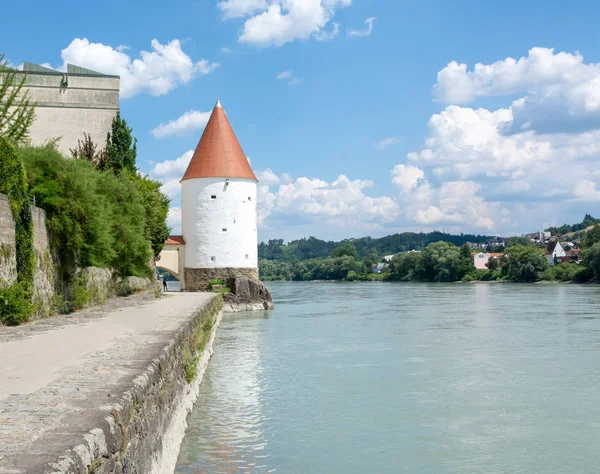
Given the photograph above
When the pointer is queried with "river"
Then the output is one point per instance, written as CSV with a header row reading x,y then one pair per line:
x,y
416,378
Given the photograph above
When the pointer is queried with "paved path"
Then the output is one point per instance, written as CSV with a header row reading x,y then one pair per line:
x,y
56,374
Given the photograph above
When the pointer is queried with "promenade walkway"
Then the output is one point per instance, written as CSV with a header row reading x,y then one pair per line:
x,y
59,376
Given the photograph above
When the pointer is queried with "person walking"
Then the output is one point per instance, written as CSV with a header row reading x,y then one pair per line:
x,y
165,284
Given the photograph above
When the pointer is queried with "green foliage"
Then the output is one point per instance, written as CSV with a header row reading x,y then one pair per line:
x,y
345,250
124,288
566,228
218,281
156,206
16,111
567,271
13,183
15,304
79,295
591,237
88,150
523,264
306,249
406,266
493,264
121,147
591,258
95,219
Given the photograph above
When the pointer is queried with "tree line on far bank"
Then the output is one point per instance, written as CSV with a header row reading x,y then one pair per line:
x,y
523,261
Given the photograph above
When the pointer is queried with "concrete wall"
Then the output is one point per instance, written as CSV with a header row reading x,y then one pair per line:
x,y
219,223
88,104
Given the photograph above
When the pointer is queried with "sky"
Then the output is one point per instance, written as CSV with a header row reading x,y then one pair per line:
x,y
359,117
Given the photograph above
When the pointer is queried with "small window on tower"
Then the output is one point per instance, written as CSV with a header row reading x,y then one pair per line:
x,y
224,229
247,256
213,196
249,198
213,259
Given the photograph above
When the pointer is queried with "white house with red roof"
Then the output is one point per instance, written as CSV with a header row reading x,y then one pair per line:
x,y
554,252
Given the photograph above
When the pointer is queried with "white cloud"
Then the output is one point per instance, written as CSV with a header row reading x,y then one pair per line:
x,y
289,77
226,50
155,72
190,121
340,203
365,32
278,22
562,92
172,168
407,177
267,177
325,35
241,8
174,220
386,142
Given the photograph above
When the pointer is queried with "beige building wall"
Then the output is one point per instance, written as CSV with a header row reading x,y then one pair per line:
x,y
69,105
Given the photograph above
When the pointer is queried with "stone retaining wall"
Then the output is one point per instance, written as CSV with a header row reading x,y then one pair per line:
x,y
144,430
196,279
8,254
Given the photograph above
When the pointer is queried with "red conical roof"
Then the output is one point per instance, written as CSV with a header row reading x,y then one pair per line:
x,y
218,154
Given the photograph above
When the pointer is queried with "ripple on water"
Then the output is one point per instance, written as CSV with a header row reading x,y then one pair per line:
x,y
385,378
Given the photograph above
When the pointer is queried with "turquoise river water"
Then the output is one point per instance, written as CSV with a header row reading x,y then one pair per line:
x,y
416,378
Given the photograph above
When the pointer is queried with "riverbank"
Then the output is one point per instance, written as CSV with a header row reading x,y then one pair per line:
x,y
106,389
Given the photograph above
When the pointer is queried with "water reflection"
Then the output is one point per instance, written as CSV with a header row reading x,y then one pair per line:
x,y
386,378
225,434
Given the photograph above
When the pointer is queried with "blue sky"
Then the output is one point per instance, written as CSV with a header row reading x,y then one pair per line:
x,y
371,128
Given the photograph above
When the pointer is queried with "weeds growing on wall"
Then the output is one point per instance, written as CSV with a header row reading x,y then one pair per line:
x,y
15,300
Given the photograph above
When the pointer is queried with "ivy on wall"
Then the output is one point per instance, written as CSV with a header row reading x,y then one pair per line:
x,y
15,300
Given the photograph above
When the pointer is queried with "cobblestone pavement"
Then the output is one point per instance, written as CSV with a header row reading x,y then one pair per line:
x,y
59,373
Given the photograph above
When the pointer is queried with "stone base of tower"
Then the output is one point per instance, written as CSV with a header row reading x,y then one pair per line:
x,y
196,279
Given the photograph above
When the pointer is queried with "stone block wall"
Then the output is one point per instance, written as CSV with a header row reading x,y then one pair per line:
x,y
8,254
45,277
196,279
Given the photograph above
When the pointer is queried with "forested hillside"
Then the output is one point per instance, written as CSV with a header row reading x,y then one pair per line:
x,y
307,248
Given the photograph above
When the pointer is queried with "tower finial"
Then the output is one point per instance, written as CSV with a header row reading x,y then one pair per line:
x,y
218,104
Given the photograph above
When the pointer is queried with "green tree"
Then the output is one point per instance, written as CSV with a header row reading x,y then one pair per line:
x,y
523,264
16,111
345,249
405,266
493,264
121,147
156,206
441,262
591,237
591,258
466,261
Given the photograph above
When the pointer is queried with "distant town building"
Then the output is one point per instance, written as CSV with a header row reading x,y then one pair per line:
x,y
481,259
388,258
70,104
379,267
539,236
554,252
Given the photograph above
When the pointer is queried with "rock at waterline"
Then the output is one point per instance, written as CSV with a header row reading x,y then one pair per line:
x,y
247,295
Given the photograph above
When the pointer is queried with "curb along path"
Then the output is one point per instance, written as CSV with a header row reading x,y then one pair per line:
x,y
99,391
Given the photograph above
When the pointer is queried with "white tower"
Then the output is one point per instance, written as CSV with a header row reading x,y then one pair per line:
x,y
219,215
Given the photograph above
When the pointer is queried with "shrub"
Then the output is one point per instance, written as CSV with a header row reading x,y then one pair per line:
x,y
79,295
94,218
468,278
15,304
218,281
